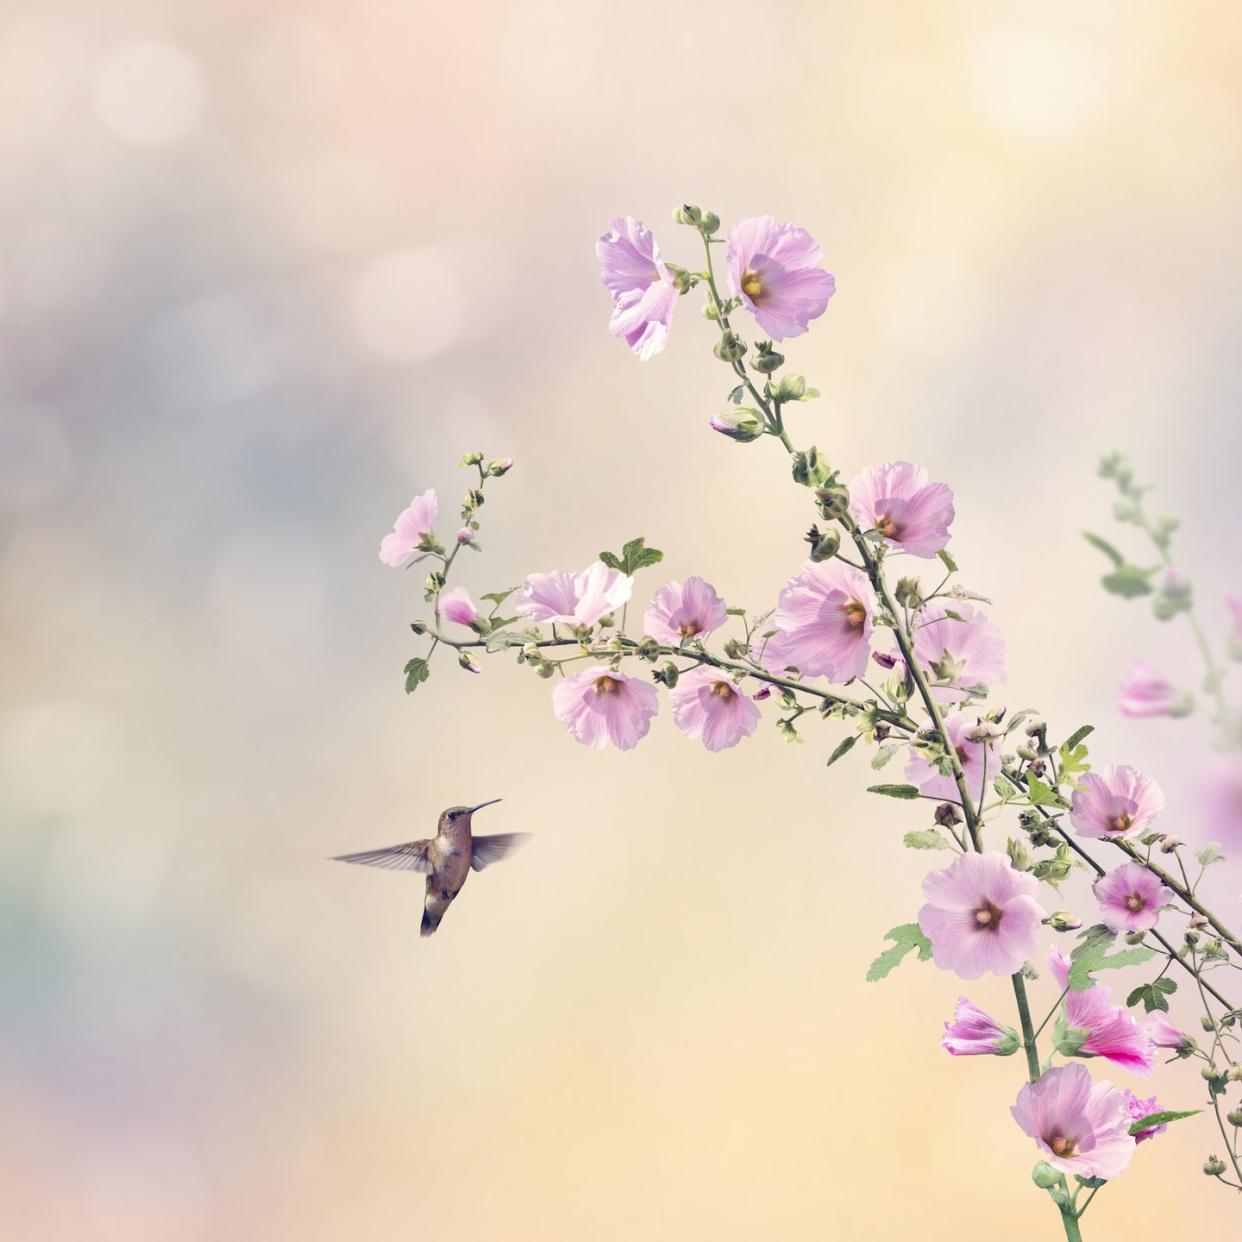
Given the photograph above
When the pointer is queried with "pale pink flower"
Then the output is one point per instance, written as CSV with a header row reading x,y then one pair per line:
x,y
1092,1026
707,705
456,605
574,599
411,532
1082,1127
1234,603
1146,692
1115,802
958,654
684,610
909,511
981,915
775,270
465,534
972,1033
980,762
643,294
1144,1108
1164,1034
825,613
601,707
771,653
1130,898
1220,801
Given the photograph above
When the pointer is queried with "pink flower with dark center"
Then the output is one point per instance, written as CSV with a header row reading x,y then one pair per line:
x,y
574,599
411,532
909,511
1144,1108
684,610
643,293
602,708
1147,693
775,270
1082,1127
958,653
1115,802
980,762
1090,1025
707,705
1220,801
825,614
1130,898
981,916
1164,1034
972,1033
457,606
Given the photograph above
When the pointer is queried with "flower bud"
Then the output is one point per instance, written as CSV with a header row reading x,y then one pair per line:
x,y
824,544
735,648
1209,1072
472,459
1060,1196
947,815
1063,921
683,281
688,213
907,592
1034,728
709,223
1192,938
465,535
834,502
546,669
1045,1176
1235,1073
1134,937
810,469
419,627
741,424
649,650
1207,1023
730,347
607,620
1169,843
1019,855
467,661
1198,921
767,359
498,467
1234,1117
667,674
1213,1166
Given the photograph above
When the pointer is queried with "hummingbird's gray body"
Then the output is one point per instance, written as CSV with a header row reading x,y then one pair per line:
x,y
445,859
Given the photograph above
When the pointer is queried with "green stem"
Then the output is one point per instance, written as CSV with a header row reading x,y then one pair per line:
x,y
1028,1031
1070,1221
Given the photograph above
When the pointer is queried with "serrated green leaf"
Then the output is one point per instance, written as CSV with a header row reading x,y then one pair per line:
x,y
1128,581
737,394
1079,735
1092,955
907,792
499,597
416,672
611,560
735,612
1104,546
1153,995
883,754
926,839
1210,854
1040,794
1161,1119
947,561
906,938
844,746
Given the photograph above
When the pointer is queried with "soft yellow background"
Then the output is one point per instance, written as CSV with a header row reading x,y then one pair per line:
x,y
267,270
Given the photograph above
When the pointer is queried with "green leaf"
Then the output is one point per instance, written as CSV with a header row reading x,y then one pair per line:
x,y
499,597
883,754
1073,762
1153,995
907,937
1210,854
947,561
1104,546
634,556
1161,1119
844,746
416,672
792,388
612,561
735,612
1092,955
1079,735
737,394
1040,794
925,839
1128,581
908,792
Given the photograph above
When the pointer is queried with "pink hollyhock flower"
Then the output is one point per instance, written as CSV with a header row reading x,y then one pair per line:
x,y
979,760
972,1033
643,293
602,708
1220,801
1090,1025
1081,1126
574,599
1115,802
707,705
981,915
1130,898
897,500
771,653
825,613
457,606
688,610
411,532
465,534
1140,1109
1164,1034
958,653
1147,693
775,270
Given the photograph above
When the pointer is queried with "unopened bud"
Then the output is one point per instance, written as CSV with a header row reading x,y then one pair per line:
x,y
1234,1117
467,661
766,360
1207,1023
649,650
907,592
1169,843
1060,1196
947,815
1213,1166
730,347
1045,1176
709,223
1198,922
1019,855
824,544
606,620
1235,1073
1063,921
741,424
1209,1072
419,627
472,459
1134,937
546,669
1192,938
499,466
667,674
834,502
1033,728
735,648
688,213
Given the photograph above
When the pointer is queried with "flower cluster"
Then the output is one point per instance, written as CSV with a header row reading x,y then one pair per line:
x,y
904,663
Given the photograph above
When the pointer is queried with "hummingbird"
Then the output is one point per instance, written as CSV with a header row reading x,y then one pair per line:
x,y
446,859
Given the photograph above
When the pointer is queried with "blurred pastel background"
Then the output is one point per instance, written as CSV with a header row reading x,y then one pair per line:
x,y
266,271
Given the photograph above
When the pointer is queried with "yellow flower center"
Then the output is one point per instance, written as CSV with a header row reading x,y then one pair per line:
x,y
752,285
988,915
606,684
855,613
722,690
886,526
687,629
1123,821
1135,902
1066,1148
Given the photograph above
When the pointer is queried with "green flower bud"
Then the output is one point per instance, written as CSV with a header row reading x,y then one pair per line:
x,y
419,627
1068,1040
907,592
767,359
667,674
498,467
546,669
688,213
1209,1072
1134,938
947,815
1019,855
1060,1196
730,347
1045,1176
1234,1117
1235,1072
824,544
709,223
735,649
1063,921
1207,1023
1213,1166
741,424
811,470
649,650
472,459
833,502
467,661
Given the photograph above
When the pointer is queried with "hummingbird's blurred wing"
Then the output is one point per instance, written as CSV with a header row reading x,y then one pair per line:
x,y
490,849
412,856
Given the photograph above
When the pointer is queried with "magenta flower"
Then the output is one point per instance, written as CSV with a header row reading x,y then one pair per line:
x,y
574,599
643,293
825,613
1147,693
689,610
457,606
897,500
1220,801
1130,898
411,532
1081,1126
979,761
1164,1034
1140,1109
959,654
1090,1025
708,706
981,915
465,534
775,270
605,708
972,1033
1115,802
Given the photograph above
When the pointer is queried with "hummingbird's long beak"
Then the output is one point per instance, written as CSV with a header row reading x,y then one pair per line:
x,y
483,804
